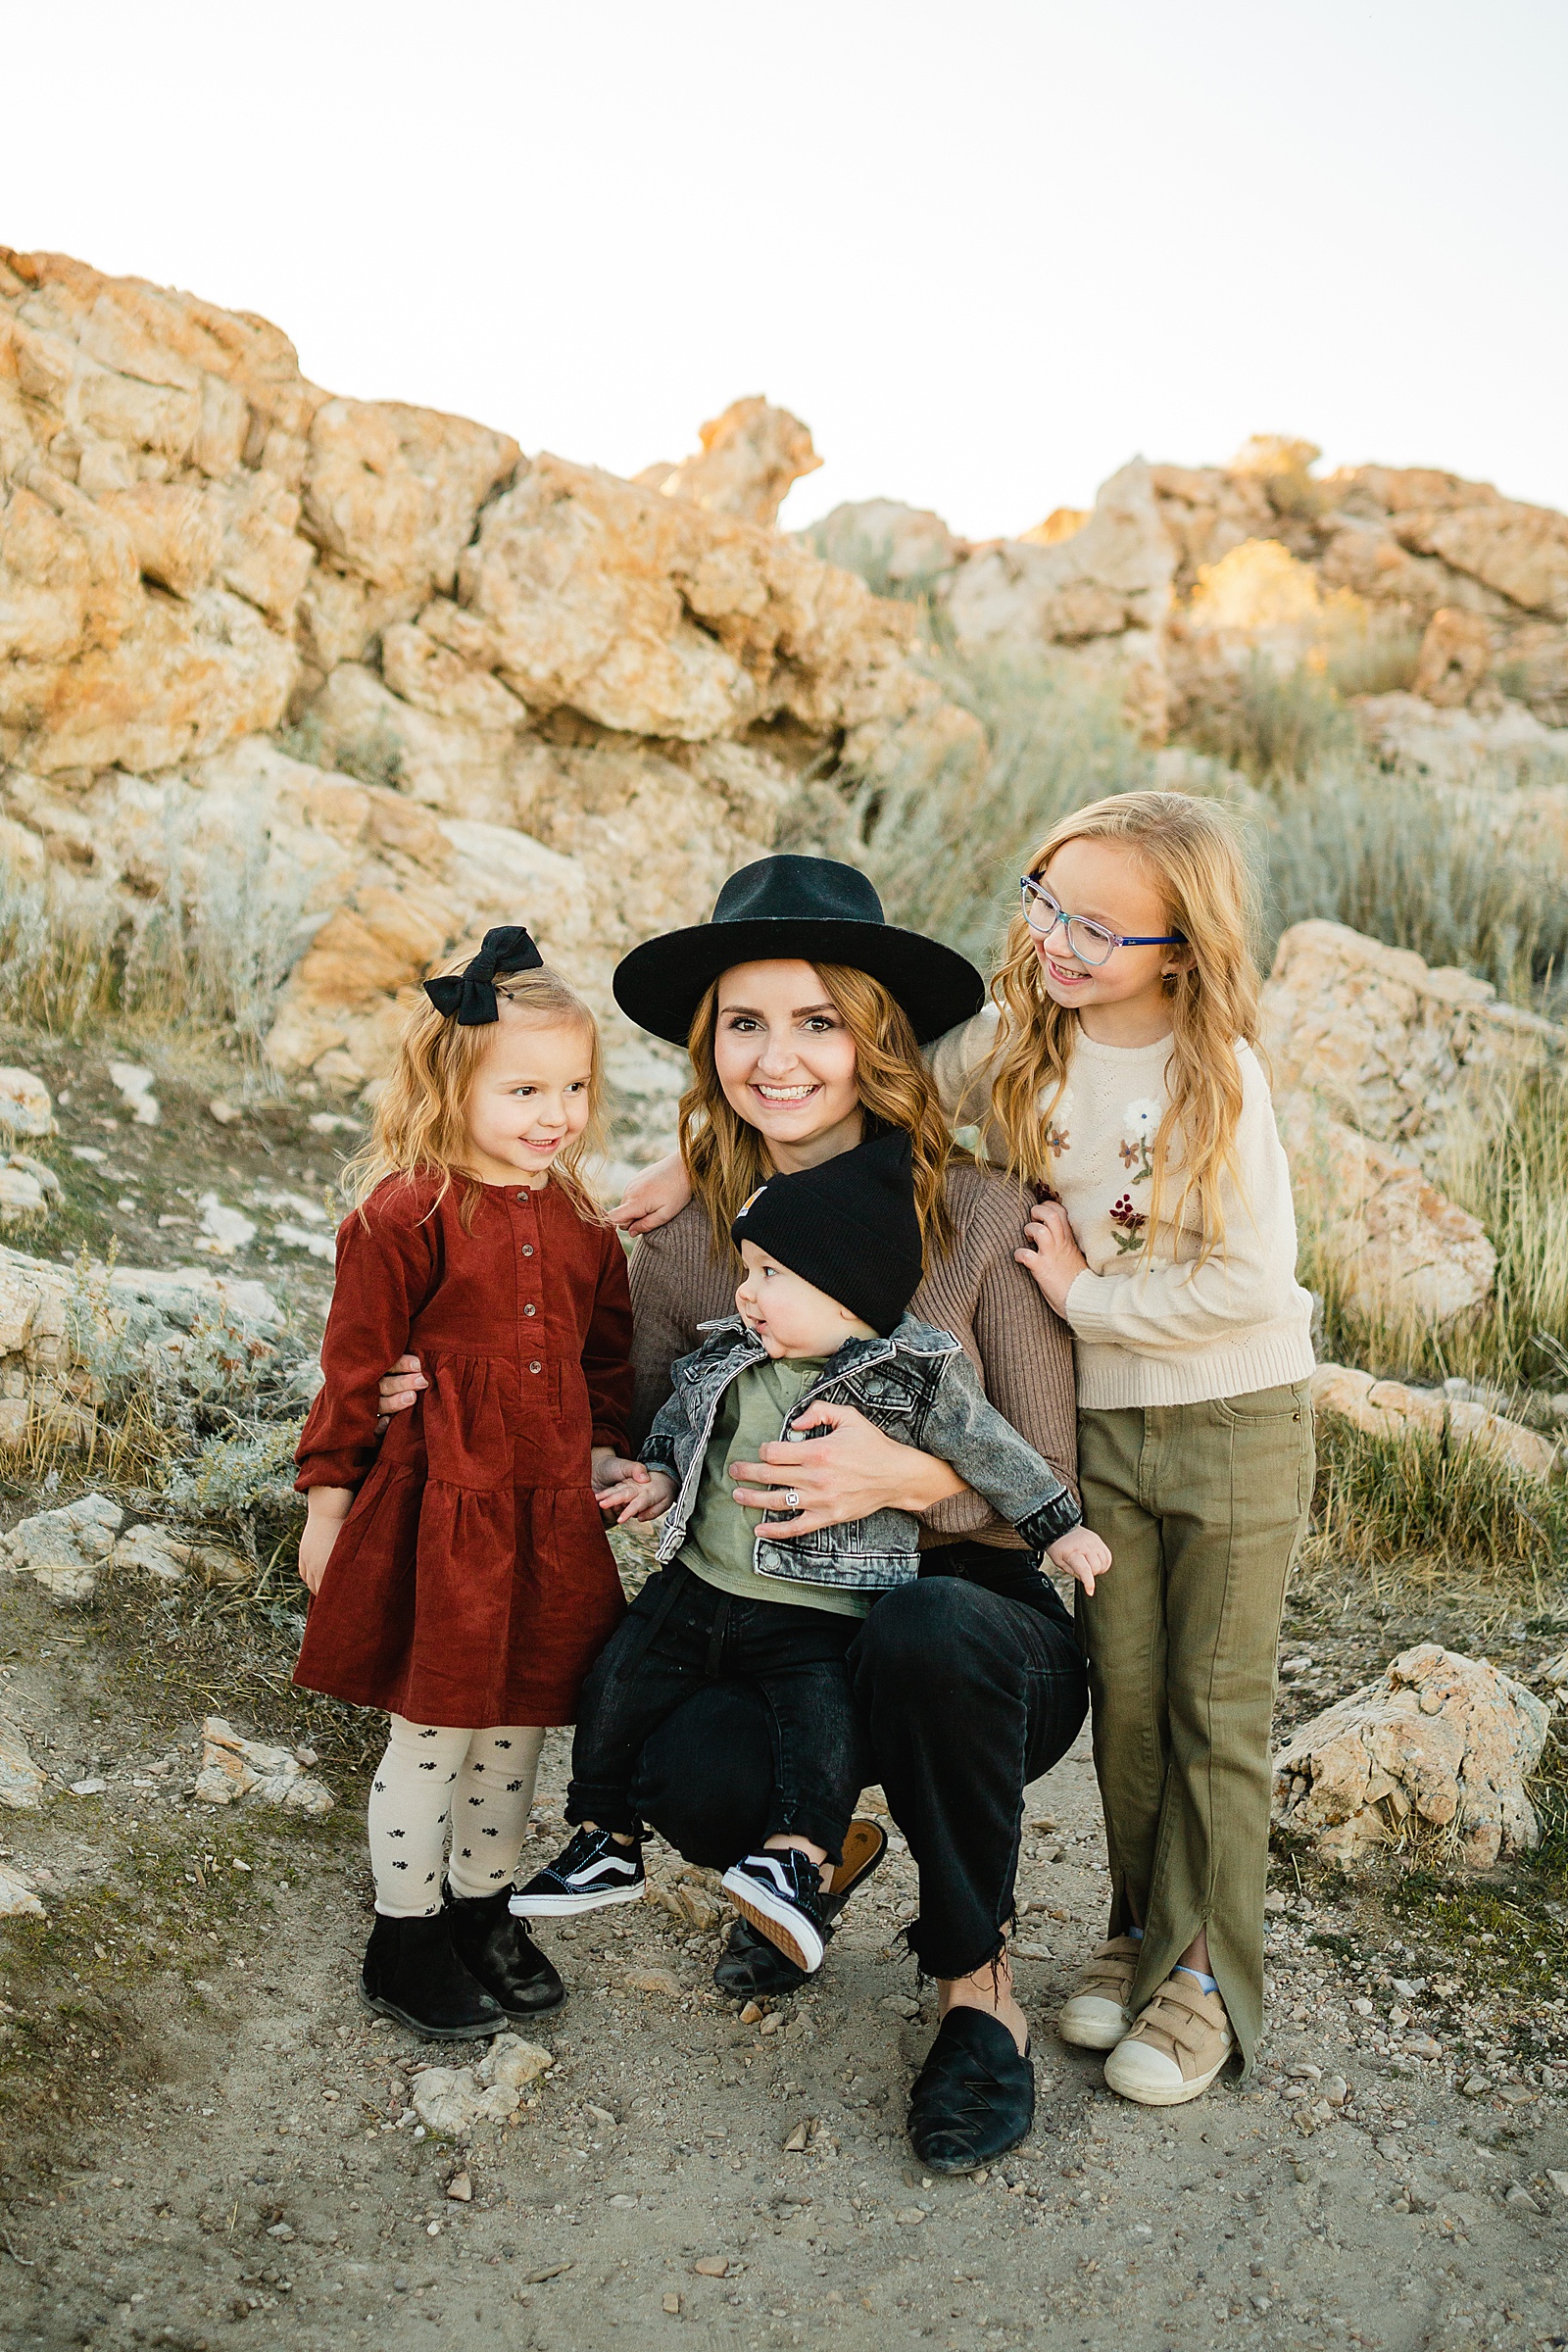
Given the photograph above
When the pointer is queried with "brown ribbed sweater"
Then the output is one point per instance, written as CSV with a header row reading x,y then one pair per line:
x,y
977,1291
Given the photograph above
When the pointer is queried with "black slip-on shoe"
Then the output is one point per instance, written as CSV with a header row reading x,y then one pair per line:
x,y
501,1955
592,1872
413,1974
751,1967
974,2097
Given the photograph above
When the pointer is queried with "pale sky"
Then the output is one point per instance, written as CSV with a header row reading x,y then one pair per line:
x,y
987,249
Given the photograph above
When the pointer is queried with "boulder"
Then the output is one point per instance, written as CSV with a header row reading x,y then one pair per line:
x,y
1398,1248
1454,657
1442,1738
1387,1408
26,1106
1393,1046
65,1550
18,1900
232,1768
22,1782
169,1557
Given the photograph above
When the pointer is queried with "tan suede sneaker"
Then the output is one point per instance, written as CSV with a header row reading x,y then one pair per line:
x,y
1177,2047
1095,2016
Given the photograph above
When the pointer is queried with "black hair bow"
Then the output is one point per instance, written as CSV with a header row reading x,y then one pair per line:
x,y
472,993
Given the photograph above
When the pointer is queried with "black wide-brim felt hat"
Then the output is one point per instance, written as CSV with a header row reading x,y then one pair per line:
x,y
787,906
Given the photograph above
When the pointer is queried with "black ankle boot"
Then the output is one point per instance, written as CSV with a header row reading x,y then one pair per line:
x,y
501,1955
413,1974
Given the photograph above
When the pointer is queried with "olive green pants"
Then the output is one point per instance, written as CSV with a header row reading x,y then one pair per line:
x,y
1203,1506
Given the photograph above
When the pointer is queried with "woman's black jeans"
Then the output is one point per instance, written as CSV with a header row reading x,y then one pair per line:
x,y
966,1692
682,1635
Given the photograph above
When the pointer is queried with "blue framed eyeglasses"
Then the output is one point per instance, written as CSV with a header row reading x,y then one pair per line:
x,y
1090,942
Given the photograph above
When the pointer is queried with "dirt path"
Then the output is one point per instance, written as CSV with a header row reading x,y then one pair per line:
x,y
207,2142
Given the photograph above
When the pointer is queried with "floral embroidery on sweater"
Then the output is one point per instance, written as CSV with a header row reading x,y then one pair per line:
x,y
1130,1223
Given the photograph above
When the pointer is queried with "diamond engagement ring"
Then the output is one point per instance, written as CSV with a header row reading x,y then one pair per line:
x,y
792,1501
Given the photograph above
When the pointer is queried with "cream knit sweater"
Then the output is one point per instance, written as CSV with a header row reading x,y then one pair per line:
x,y
1158,1328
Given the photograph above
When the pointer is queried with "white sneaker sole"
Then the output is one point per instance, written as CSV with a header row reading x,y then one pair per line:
x,y
566,1906
1089,2023
779,1921
1130,2081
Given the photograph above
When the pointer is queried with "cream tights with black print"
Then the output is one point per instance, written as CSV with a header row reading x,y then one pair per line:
x,y
479,1783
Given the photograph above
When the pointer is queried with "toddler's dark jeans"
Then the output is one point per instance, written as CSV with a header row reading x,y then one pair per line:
x,y
969,1684
682,1636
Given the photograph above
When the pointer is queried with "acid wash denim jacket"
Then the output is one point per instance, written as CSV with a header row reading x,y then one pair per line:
x,y
918,1387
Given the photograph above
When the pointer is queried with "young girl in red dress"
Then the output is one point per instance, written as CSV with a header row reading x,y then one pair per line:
x,y
462,1575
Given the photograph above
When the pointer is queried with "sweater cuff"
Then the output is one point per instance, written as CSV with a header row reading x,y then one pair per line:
x,y
1087,1308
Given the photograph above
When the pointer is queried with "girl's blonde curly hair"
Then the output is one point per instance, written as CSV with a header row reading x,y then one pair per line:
x,y
1192,850
420,1126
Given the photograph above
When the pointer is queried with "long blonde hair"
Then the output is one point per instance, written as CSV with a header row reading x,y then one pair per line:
x,y
420,1126
1192,852
726,1159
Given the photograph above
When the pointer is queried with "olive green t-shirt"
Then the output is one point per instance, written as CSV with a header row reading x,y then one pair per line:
x,y
721,1532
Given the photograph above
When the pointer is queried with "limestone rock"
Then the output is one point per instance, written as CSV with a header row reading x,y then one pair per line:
x,y
22,1782
1387,1408
653,618
898,550
1393,1046
232,1768
751,457
1109,586
1461,746
1445,1736
1455,655
26,1106
66,1548
169,1557
1398,1246
18,1900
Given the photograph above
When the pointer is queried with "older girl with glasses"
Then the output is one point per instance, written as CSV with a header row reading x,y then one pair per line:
x,y
1115,1073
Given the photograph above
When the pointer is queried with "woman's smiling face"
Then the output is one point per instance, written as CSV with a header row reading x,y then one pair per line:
x,y
786,1061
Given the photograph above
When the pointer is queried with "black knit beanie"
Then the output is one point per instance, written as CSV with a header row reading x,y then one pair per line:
x,y
848,1228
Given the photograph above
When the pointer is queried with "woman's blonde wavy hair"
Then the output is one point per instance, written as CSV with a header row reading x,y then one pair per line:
x,y
1193,852
726,1159
420,1126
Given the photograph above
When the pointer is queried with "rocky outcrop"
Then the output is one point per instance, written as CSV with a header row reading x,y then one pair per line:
x,y
54,1322
750,458
1375,1056
515,688
1441,1741
1401,580
1102,591
1393,1046
1387,1408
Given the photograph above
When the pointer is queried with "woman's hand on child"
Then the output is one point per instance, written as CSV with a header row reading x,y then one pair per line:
x,y
652,1198
1050,1253
632,1491
399,1389
852,1472
1081,1554
325,1509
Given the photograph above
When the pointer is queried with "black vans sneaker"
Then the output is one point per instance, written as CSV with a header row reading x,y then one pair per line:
x,y
594,1871
780,1891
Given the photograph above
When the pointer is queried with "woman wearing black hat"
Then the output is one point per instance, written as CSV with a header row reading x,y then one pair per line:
x,y
805,1013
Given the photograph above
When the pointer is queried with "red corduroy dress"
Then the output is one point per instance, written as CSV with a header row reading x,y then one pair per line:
x,y
472,1582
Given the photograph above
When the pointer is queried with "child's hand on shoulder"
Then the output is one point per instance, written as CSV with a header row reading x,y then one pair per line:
x,y
1051,1254
1080,1554
631,1490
